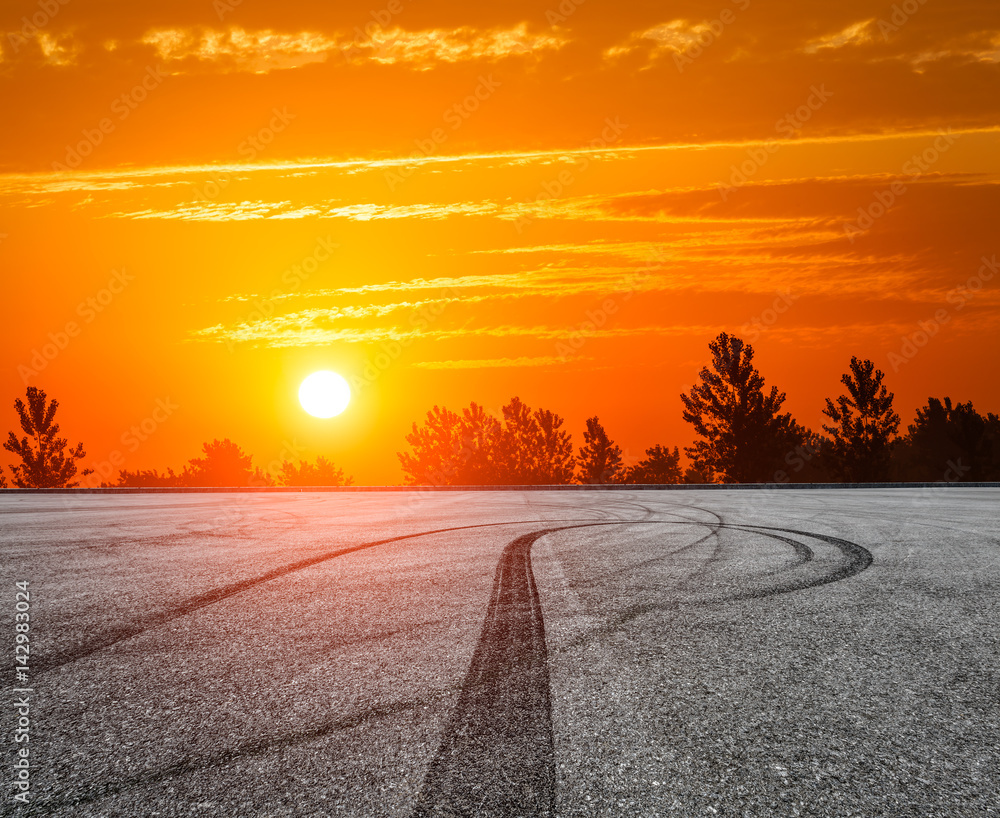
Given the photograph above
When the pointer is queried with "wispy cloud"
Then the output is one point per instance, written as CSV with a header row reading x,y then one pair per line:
x,y
979,46
292,331
235,49
982,47
213,212
59,50
859,33
359,212
675,36
426,48
136,177
289,331
367,212
239,50
494,363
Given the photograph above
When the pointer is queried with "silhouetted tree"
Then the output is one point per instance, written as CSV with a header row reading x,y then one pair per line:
x,y
949,442
659,466
600,460
46,462
555,450
475,448
437,447
517,448
743,438
694,477
321,473
864,425
534,448
479,440
3,480
147,478
224,464
808,461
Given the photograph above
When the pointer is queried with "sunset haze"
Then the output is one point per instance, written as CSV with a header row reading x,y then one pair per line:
x,y
202,203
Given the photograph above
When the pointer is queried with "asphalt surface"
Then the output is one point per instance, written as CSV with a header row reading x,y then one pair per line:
x,y
744,653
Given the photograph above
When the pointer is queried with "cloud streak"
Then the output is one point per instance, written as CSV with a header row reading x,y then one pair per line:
x,y
263,51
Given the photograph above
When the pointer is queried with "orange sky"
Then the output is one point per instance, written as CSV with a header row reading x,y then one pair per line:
x,y
434,199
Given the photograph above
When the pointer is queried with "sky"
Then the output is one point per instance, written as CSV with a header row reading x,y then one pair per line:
x,y
203,202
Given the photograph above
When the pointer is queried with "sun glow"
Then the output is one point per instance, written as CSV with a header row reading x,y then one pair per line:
x,y
324,394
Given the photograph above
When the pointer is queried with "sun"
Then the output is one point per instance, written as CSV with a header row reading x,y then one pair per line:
x,y
324,394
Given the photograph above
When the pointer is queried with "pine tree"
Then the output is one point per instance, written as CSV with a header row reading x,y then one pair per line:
x,y
518,456
555,450
46,462
864,425
600,460
743,437
436,445
479,439
659,466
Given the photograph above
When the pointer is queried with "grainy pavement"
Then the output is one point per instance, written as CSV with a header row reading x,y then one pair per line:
x,y
646,653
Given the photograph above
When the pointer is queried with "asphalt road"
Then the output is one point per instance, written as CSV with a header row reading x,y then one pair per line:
x,y
698,653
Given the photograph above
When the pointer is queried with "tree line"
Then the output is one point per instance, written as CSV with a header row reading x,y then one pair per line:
x,y
47,460
741,436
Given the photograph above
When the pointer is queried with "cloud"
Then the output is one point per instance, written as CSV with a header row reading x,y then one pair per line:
x,y
983,47
211,211
427,48
367,212
859,33
359,212
675,36
294,331
61,50
258,52
178,174
932,47
495,363
235,49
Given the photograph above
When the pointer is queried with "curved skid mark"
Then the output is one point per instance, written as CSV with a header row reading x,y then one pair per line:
x,y
112,637
803,552
497,758
858,557
660,558
857,560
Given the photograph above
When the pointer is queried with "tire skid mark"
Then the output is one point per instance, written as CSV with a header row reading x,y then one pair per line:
x,y
714,532
803,552
113,636
652,560
325,728
857,559
497,758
